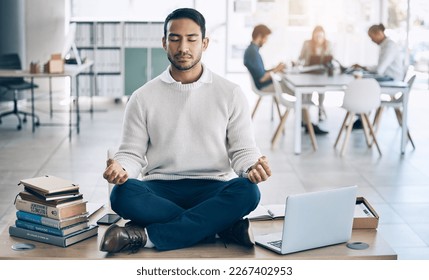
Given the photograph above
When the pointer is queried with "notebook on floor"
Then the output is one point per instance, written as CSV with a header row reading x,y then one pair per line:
x,y
312,220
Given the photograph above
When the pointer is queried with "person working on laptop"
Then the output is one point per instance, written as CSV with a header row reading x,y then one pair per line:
x,y
189,133
254,62
320,48
390,59
317,46
255,65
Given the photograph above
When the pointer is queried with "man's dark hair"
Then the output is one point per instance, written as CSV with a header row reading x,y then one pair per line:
x,y
260,30
192,14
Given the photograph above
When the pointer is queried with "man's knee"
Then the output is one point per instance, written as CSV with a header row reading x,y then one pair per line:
x,y
121,194
254,194
249,192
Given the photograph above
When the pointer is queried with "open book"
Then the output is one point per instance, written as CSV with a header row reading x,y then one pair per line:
x,y
275,211
267,212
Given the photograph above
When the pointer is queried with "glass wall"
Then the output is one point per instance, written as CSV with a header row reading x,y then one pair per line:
x,y
417,27
140,10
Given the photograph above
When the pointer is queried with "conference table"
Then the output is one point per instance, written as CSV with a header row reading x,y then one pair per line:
x,y
71,71
305,83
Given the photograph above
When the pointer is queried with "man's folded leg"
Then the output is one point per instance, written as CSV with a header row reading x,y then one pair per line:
x,y
195,211
143,204
216,213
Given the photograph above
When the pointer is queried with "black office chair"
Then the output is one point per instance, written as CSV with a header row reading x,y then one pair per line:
x,y
14,85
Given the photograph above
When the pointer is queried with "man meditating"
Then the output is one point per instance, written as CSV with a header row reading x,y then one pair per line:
x,y
189,133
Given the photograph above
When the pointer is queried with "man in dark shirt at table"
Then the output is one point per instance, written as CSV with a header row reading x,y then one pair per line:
x,y
254,63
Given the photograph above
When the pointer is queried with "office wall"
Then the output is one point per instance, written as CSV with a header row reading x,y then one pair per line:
x,y
45,25
215,14
12,27
45,33
213,11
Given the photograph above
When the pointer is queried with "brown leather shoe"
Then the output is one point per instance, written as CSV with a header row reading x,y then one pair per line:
x,y
128,238
240,233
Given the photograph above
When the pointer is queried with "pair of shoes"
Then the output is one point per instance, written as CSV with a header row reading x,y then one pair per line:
x,y
240,233
131,237
357,124
317,130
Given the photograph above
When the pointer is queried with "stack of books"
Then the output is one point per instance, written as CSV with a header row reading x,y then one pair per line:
x,y
51,210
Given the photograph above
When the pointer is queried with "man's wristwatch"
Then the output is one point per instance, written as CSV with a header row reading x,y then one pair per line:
x,y
245,173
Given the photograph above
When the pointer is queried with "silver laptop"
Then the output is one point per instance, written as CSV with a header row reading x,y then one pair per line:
x,y
313,220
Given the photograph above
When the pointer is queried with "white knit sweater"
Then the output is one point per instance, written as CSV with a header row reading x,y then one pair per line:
x,y
200,130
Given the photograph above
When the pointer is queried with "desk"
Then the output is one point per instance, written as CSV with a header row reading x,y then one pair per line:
x,y
302,83
72,71
88,249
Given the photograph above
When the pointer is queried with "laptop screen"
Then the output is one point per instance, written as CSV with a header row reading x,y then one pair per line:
x,y
318,59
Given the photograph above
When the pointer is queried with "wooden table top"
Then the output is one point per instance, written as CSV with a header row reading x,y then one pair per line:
x,y
89,249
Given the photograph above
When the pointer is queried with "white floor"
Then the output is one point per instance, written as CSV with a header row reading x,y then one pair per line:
x,y
396,185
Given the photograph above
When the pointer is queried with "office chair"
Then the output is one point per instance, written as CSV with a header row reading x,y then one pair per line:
x,y
397,104
16,85
288,101
360,97
261,94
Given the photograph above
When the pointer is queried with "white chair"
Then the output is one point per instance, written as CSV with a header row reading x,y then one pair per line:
x,y
360,97
395,102
262,94
288,101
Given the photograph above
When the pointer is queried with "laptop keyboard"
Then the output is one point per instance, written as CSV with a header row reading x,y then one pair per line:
x,y
277,243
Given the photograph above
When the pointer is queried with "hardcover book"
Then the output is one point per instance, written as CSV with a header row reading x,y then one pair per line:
x,y
62,241
53,196
49,185
53,223
59,212
27,195
50,230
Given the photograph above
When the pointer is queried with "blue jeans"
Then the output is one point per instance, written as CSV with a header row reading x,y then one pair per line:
x,y
181,213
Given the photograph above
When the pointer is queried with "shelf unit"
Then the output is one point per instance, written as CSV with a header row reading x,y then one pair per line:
x,y
126,55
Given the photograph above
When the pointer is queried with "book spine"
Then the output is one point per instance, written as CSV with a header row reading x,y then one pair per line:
x,y
37,227
37,236
37,208
33,218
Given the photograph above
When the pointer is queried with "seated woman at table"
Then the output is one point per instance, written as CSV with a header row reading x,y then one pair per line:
x,y
390,59
319,46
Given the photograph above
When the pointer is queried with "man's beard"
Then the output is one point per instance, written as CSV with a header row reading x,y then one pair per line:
x,y
181,67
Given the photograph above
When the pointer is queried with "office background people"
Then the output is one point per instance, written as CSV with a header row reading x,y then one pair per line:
x,y
390,59
189,133
255,64
318,46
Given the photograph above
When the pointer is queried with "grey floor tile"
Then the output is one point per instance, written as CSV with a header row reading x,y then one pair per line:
x,y
405,193
400,235
413,253
412,213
